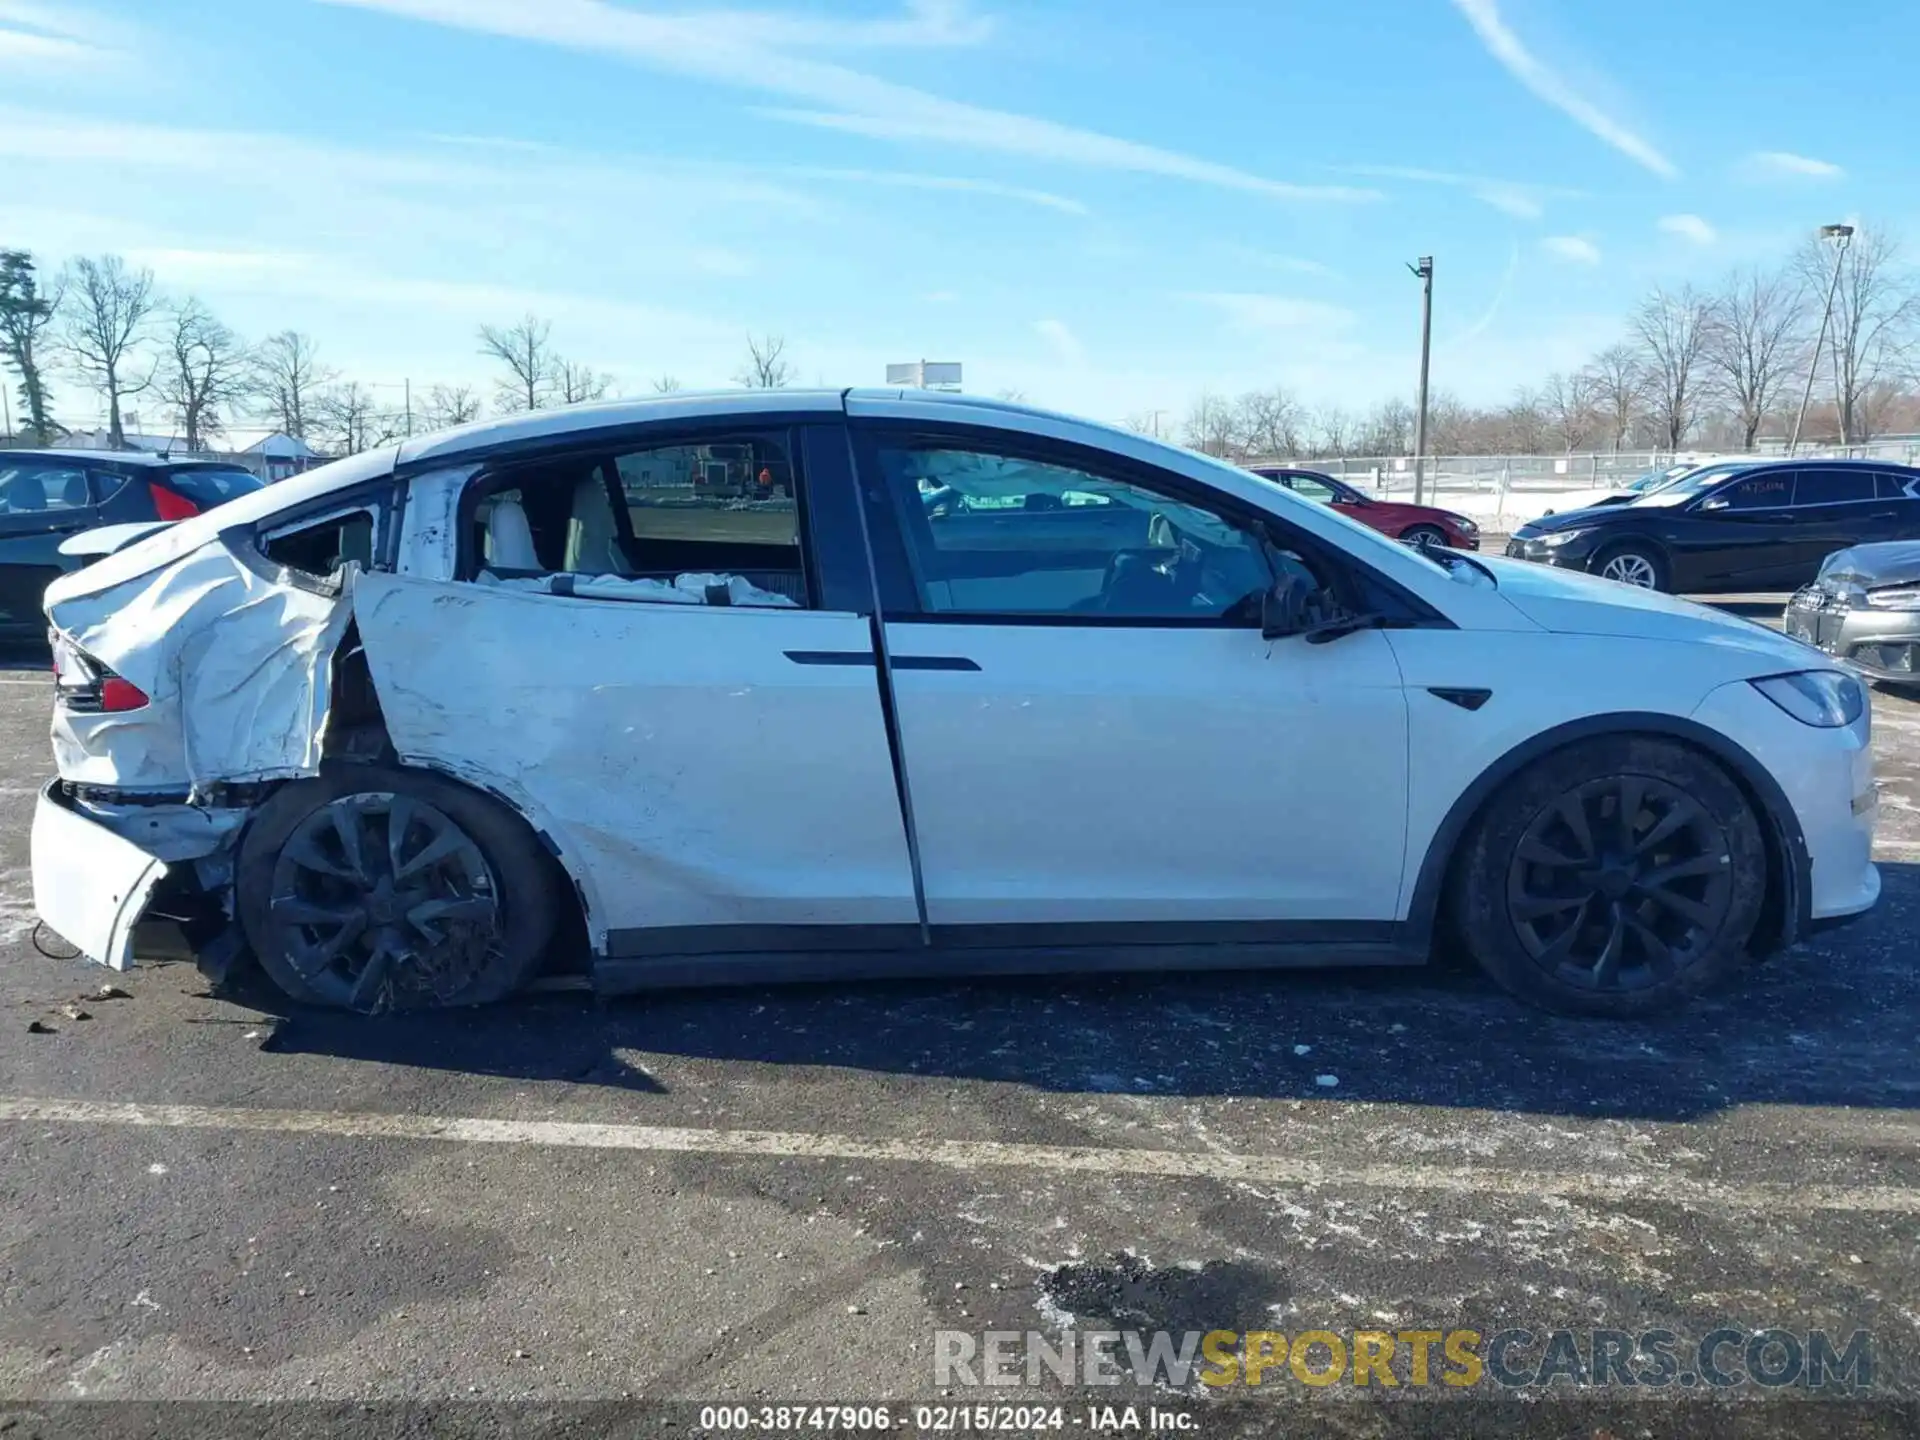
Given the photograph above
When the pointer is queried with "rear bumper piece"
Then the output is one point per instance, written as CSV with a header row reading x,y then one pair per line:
x,y
90,885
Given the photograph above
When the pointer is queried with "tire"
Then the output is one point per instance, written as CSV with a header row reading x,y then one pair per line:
x,y
1581,925
330,927
1423,535
1632,559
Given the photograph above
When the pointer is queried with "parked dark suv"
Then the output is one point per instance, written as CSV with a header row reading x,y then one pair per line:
x,y
1730,527
47,496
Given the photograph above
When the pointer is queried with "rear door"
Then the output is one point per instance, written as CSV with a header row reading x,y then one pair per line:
x,y
672,672
1094,730
42,502
1834,506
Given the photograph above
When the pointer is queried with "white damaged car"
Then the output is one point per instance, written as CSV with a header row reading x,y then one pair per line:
x,y
818,685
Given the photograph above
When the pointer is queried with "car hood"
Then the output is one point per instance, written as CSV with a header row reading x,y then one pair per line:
x,y
1571,602
1892,562
1570,519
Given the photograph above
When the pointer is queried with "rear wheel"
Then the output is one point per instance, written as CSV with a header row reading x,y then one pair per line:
x,y
1631,564
1616,877
373,888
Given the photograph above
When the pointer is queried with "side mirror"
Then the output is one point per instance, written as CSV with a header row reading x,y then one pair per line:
x,y
1286,609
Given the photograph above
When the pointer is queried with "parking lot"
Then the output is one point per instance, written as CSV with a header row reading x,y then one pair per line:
x,y
784,1194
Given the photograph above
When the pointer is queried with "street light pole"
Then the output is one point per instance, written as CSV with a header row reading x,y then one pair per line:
x,y
1424,272
1840,235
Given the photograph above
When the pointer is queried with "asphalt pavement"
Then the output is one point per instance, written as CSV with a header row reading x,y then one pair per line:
x,y
773,1195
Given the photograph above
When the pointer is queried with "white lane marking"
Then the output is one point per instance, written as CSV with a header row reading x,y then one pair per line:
x,y
1655,1187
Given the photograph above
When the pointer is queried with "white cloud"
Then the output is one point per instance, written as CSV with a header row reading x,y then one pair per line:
x,y
909,180
1526,67
1253,312
1572,247
1520,199
1689,227
1064,342
1777,163
33,33
757,51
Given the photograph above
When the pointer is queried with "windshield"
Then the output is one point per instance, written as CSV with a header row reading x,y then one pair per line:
x,y
1690,484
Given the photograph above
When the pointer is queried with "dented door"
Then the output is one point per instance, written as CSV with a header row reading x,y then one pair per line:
x,y
706,771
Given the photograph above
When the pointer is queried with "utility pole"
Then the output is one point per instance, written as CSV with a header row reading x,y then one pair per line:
x,y
1423,271
1840,235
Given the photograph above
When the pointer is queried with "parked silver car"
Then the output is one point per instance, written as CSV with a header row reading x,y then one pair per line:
x,y
1864,607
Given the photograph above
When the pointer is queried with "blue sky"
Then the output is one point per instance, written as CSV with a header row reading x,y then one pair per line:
x,y
1107,206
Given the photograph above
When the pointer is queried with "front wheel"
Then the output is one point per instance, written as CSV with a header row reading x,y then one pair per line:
x,y
1616,877
1422,536
1635,565
372,887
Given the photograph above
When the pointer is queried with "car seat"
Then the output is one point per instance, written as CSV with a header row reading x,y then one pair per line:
x,y
509,537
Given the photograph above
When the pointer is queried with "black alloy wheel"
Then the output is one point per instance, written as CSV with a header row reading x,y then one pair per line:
x,y
378,895
1620,883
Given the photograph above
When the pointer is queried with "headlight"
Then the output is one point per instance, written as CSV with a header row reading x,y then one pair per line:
x,y
1464,525
1561,537
1823,698
1895,597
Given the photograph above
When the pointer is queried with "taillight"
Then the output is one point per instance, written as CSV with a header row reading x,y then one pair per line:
x,y
82,684
118,694
170,504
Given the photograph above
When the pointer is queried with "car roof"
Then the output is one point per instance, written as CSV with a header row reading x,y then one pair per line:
x,y
126,459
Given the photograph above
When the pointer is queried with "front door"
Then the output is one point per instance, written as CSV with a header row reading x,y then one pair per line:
x,y
1093,727
1741,536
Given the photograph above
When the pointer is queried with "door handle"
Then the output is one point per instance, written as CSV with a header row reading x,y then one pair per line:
x,y
865,657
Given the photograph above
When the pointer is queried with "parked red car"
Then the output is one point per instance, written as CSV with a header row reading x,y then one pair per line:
x,y
1415,524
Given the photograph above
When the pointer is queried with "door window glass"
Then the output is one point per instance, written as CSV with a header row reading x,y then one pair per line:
x,y
1309,488
1758,492
992,534
1832,487
1897,486
716,522
37,489
325,546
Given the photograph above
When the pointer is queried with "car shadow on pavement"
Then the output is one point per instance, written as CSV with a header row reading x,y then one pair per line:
x,y
1834,1022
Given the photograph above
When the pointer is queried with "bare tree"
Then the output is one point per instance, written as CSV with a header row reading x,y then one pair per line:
x,y
287,380
26,315
1388,430
203,371
767,366
1876,309
1619,390
1210,427
1333,429
448,405
351,420
1671,329
577,383
107,306
666,384
1754,341
526,352
1568,404
1267,423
